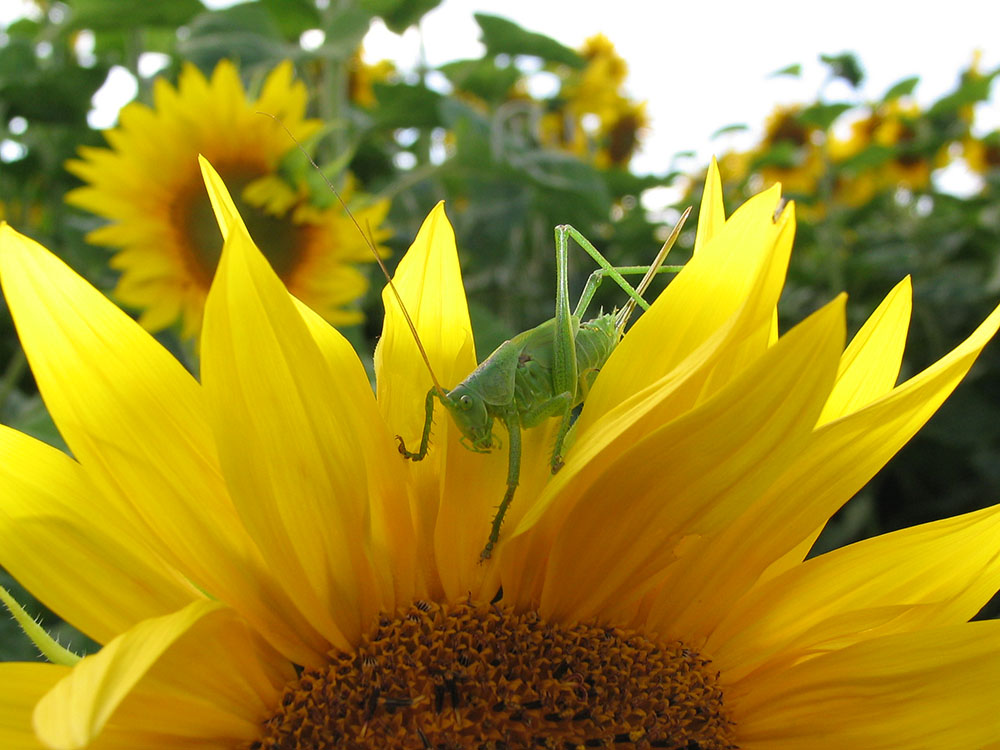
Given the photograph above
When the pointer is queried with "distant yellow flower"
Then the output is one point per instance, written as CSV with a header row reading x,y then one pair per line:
x,y
597,89
593,117
982,154
149,186
265,571
620,137
890,126
362,76
793,151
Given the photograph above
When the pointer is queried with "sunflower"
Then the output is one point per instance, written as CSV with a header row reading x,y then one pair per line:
x,y
149,186
266,572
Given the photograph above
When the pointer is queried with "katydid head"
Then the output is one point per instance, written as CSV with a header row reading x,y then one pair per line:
x,y
468,410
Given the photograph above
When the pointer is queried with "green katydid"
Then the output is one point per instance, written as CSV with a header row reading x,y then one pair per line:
x,y
540,373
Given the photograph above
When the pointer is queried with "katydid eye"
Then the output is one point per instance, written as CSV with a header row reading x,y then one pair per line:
x,y
466,402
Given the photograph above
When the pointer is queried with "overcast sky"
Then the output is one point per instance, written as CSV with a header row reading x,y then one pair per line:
x,y
704,65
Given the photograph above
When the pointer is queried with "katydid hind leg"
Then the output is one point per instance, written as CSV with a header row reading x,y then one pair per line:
x,y
513,422
605,264
560,406
564,340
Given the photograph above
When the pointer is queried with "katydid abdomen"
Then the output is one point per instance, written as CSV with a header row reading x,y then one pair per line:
x,y
533,382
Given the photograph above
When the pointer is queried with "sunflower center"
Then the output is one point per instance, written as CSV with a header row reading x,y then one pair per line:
x,y
479,676
277,236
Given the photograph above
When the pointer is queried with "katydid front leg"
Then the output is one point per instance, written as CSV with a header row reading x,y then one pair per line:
x,y
425,438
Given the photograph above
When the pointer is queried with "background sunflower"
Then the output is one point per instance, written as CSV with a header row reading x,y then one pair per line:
x,y
147,185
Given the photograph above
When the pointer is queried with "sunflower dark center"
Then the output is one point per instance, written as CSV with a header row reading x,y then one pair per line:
x,y
479,676
277,236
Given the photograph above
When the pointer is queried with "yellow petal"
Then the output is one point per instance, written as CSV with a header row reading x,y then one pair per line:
x,y
295,439
103,580
743,264
922,577
394,542
685,478
226,214
429,284
470,485
135,420
870,365
22,684
834,462
911,691
199,673
712,214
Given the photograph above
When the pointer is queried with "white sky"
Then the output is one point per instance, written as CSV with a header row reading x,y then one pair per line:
x,y
703,65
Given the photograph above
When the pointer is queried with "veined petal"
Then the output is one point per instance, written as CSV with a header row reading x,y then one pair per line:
x,y
429,284
600,441
292,434
870,365
833,463
456,488
713,286
22,684
922,577
199,673
711,214
908,691
102,580
134,419
226,213
719,455
393,532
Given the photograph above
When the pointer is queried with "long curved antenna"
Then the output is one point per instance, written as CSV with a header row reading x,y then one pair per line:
x,y
654,267
371,245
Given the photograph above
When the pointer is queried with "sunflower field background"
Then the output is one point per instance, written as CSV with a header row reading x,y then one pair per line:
x,y
510,165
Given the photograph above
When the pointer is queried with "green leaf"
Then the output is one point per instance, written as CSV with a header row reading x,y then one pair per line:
x,y
971,91
403,105
245,32
344,32
789,70
481,77
846,66
872,156
822,115
503,37
902,88
726,129
622,182
399,15
293,16
56,96
126,14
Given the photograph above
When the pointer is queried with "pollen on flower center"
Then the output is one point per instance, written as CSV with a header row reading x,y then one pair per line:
x,y
479,676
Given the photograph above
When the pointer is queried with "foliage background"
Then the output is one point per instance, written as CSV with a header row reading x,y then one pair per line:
x,y
512,166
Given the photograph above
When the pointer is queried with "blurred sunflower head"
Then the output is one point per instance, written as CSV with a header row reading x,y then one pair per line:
x,y
266,572
790,153
148,185
592,116
982,154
